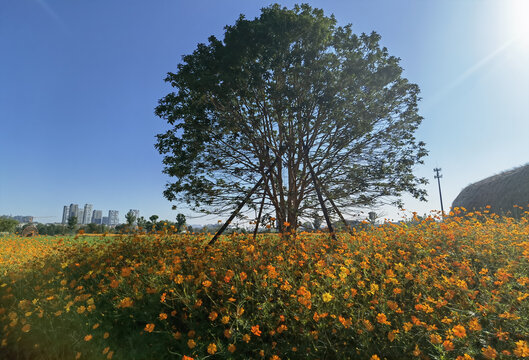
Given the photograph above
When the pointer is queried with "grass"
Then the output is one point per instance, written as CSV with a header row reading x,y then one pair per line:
x,y
452,290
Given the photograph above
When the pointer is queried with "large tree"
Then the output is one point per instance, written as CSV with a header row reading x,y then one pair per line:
x,y
288,81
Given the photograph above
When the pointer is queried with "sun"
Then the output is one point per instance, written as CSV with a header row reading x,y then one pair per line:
x,y
517,20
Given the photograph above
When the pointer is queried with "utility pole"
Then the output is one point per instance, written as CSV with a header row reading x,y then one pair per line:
x,y
438,177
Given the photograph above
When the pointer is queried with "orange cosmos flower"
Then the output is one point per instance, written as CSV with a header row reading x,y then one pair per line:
x,y
126,302
489,352
256,331
448,345
231,348
88,337
26,328
149,328
213,315
474,325
416,351
246,338
191,343
126,271
382,319
465,357
459,331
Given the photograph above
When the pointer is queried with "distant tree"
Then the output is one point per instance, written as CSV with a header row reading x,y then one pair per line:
x,y
283,84
130,217
8,224
72,223
121,228
153,218
142,222
180,222
190,229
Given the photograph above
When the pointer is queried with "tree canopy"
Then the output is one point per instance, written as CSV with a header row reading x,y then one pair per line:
x,y
288,81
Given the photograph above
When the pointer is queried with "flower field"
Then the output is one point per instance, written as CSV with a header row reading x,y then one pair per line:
x,y
457,289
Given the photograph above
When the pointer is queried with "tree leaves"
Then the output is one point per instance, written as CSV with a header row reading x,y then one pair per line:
x,y
286,78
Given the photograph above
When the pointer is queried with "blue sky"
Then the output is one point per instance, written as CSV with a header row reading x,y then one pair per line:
x,y
79,81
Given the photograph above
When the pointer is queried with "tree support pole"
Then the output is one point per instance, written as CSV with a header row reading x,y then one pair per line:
x,y
259,216
243,202
333,204
317,188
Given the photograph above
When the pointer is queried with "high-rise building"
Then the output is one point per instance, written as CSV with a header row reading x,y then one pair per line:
x,y
80,217
113,217
104,220
65,214
74,211
97,217
87,214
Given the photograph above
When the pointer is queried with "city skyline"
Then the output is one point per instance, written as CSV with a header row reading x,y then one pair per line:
x,y
87,215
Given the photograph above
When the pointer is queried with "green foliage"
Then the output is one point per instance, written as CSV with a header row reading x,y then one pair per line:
x,y
180,222
130,217
289,78
52,229
72,223
8,224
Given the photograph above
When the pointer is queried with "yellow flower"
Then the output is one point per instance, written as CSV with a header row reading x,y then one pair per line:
x,y
382,319
522,349
326,297
212,349
436,339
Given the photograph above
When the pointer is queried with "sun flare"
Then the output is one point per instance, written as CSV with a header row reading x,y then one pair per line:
x,y
517,21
